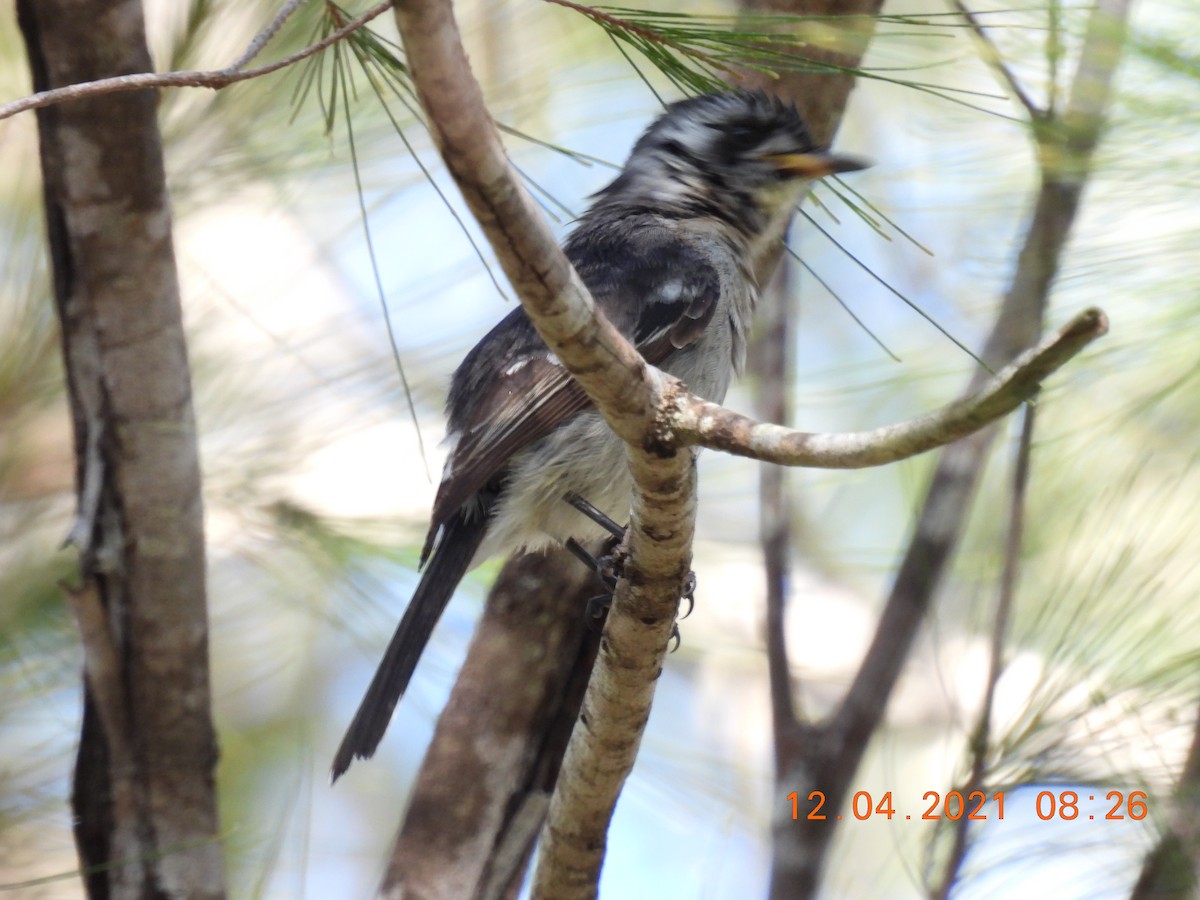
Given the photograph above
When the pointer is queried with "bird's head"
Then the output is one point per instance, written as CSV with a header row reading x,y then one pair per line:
x,y
740,157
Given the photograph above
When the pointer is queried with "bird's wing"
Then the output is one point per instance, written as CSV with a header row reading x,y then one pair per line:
x,y
662,295
525,405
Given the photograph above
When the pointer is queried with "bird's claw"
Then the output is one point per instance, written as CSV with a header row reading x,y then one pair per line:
x,y
597,611
610,567
688,593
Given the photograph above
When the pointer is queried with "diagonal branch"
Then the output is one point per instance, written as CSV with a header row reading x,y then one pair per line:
x,y
211,78
980,740
713,426
832,756
627,392
264,36
994,59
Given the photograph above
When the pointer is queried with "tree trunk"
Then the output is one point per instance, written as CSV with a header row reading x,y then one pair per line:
x,y
144,792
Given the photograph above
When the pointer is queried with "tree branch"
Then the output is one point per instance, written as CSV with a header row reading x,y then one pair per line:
x,y
710,425
502,732
263,38
993,58
616,707
144,796
980,740
772,360
628,393
213,78
831,754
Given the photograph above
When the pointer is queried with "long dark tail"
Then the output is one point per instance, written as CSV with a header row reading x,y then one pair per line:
x,y
449,562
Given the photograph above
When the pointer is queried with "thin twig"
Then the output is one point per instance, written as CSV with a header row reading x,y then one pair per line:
x,y
993,57
710,425
773,368
215,78
263,37
981,735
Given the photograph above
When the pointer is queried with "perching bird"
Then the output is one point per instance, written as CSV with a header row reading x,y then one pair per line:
x,y
668,251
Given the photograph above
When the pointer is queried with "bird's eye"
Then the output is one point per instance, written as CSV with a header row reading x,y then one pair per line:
x,y
743,140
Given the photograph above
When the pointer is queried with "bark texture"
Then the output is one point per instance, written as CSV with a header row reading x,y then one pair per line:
x,y
143,796
485,784
630,394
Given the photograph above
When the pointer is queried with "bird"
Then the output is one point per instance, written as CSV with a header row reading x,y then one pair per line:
x,y
668,250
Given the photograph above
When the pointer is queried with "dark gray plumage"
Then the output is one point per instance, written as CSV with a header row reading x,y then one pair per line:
x,y
667,251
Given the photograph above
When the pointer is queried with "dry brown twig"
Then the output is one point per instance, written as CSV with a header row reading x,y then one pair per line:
x,y
211,78
710,425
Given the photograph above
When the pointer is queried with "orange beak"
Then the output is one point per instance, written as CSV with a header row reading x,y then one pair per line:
x,y
814,165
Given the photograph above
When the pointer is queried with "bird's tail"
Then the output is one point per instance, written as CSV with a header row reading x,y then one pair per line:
x,y
460,539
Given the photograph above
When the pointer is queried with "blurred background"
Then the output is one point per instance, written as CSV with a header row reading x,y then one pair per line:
x,y
318,482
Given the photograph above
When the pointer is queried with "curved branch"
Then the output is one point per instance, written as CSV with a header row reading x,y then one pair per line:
x,y
710,425
628,393
606,365
212,78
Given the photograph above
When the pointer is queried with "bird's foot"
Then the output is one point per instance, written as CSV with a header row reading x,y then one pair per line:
x,y
610,566
688,593
608,569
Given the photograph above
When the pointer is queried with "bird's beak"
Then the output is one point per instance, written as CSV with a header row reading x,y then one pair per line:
x,y
814,165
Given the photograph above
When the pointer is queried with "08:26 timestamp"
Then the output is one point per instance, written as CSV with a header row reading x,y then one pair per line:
x,y
1049,805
